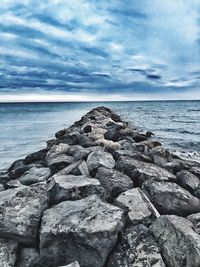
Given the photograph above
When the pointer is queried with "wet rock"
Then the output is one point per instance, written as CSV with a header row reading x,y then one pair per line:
x,y
151,143
136,247
113,133
17,169
71,187
176,165
195,171
87,129
149,134
178,242
187,180
99,159
76,168
56,150
38,157
78,152
170,198
20,213
141,171
195,219
133,154
197,191
8,253
85,230
35,174
113,181
139,207
59,162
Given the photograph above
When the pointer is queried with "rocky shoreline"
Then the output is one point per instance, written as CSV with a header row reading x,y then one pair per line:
x,y
101,194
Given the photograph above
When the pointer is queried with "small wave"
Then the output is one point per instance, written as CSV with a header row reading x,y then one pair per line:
x,y
197,110
184,121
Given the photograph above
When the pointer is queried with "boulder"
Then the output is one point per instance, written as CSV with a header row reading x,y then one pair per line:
x,y
136,247
170,198
195,219
35,174
195,171
197,191
8,253
141,171
74,264
13,184
57,150
38,157
17,169
78,152
71,187
4,177
30,257
76,168
113,181
84,230
178,242
187,180
137,155
99,159
20,213
59,162
139,207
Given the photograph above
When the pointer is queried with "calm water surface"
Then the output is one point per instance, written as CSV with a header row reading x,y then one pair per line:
x,y
24,128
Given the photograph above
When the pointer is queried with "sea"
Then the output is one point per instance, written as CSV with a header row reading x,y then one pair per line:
x,y
25,127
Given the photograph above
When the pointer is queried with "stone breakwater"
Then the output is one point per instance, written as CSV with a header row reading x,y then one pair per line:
x,y
101,194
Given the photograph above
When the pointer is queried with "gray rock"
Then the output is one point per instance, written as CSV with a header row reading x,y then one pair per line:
x,y
2,188
141,171
133,154
99,159
170,198
13,184
76,168
59,162
178,242
71,187
17,169
30,257
78,152
4,177
136,248
197,191
195,171
38,156
113,181
187,180
35,174
195,219
56,150
8,253
20,213
74,264
140,209
85,230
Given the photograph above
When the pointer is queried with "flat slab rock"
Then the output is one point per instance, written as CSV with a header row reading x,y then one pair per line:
x,y
170,198
137,248
35,174
85,230
8,253
179,243
140,209
20,213
141,171
71,187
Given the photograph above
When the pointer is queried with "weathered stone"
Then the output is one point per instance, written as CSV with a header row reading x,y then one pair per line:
x,y
74,264
141,171
8,253
195,171
139,207
133,154
30,257
84,230
71,187
136,248
195,219
35,174
187,180
57,150
4,177
20,213
179,243
13,184
170,198
197,191
151,143
59,162
38,156
99,159
78,152
113,181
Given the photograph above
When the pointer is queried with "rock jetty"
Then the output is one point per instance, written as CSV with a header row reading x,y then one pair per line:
x,y
101,194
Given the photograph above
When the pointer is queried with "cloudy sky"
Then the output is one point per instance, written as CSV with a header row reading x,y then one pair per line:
x,y
99,50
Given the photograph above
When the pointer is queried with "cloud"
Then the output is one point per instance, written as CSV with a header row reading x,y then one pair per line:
x,y
125,47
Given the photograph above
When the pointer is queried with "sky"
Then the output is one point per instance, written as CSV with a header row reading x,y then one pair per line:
x,y
62,50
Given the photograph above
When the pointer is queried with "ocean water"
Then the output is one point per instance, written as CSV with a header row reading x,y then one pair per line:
x,y
25,127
